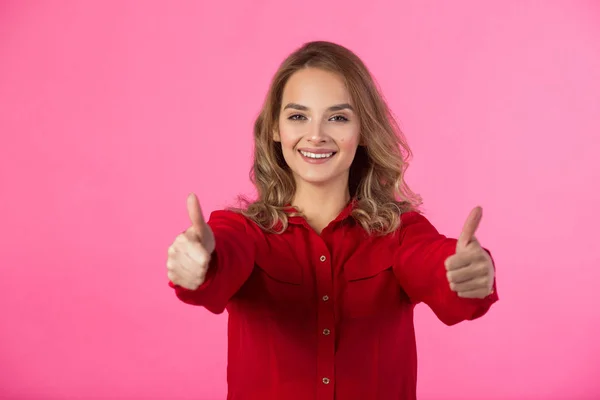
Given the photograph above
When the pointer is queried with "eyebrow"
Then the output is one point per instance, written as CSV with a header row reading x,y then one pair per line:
x,y
337,107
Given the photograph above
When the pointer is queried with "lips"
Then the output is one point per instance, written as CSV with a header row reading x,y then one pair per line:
x,y
317,155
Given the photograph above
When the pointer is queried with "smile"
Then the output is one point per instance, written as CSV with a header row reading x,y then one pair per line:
x,y
316,156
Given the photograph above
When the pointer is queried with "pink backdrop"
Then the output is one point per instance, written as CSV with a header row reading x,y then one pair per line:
x,y
112,111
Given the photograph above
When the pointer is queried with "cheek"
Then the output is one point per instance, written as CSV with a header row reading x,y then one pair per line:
x,y
288,141
289,138
349,142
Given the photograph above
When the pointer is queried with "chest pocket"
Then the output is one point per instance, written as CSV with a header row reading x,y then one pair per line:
x,y
281,271
279,284
371,288
364,270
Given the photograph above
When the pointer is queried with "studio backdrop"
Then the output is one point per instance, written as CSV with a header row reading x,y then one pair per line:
x,y
111,112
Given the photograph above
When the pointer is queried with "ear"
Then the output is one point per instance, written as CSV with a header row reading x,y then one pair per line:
x,y
362,141
276,136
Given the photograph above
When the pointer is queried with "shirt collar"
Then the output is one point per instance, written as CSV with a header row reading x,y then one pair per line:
x,y
345,213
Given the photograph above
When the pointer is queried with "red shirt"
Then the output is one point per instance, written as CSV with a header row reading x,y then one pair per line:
x,y
326,316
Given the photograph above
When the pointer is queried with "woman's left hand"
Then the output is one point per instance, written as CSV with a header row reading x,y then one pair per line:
x,y
470,270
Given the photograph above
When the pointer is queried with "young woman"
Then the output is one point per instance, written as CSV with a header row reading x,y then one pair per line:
x,y
321,273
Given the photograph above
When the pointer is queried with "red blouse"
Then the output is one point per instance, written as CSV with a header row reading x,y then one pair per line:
x,y
326,316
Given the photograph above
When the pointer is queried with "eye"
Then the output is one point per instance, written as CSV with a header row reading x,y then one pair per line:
x,y
338,118
296,117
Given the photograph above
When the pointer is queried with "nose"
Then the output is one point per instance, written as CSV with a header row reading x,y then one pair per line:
x,y
316,133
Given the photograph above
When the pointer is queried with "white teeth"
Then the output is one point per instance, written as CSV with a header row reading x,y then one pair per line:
x,y
314,155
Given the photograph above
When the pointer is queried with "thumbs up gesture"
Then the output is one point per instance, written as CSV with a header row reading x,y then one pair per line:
x,y
189,255
470,270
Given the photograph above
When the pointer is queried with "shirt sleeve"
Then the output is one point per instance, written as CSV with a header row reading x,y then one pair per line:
x,y
230,266
419,267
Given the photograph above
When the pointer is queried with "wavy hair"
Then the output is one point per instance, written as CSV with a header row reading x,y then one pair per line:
x,y
376,179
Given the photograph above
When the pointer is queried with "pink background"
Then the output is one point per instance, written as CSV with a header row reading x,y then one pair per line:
x,y
112,111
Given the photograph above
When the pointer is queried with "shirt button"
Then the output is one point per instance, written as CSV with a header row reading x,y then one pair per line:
x,y
326,381
323,258
325,298
326,332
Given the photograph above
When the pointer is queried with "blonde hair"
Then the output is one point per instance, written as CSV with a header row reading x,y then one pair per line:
x,y
376,180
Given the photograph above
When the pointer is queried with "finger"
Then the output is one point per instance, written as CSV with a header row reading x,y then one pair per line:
x,y
473,254
183,281
172,271
197,254
187,244
189,235
185,271
195,214
470,227
464,274
457,261
471,284
475,294
172,277
473,271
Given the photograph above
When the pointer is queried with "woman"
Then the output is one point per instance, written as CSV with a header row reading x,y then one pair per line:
x,y
321,273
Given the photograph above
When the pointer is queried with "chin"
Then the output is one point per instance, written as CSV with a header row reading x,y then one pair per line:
x,y
316,180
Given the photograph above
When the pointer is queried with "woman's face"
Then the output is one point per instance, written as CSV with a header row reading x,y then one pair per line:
x,y
318,129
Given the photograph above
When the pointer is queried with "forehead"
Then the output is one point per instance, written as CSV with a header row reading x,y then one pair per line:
x,y
316,88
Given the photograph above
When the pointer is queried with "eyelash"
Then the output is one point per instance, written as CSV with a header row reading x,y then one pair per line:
x,y
293,118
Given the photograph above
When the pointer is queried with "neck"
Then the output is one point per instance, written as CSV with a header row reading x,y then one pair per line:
x,y
321,204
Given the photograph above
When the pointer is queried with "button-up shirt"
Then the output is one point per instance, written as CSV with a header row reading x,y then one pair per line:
x,y
326,316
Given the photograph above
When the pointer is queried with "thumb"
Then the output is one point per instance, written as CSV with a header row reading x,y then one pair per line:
x,y
195,214
468,232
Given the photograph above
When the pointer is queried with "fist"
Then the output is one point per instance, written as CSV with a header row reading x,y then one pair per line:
x,y
470,270
189,255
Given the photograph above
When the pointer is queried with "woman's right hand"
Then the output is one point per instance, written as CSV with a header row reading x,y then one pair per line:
x,y
189,255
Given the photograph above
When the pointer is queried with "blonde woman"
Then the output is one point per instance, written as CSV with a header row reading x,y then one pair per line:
x,y
321,273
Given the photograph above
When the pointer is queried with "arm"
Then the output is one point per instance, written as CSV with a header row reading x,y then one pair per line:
x,y
231,263
420,270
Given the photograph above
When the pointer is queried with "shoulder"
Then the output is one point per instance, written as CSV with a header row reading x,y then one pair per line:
x,y
410,218
232,220
413,222
226,216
